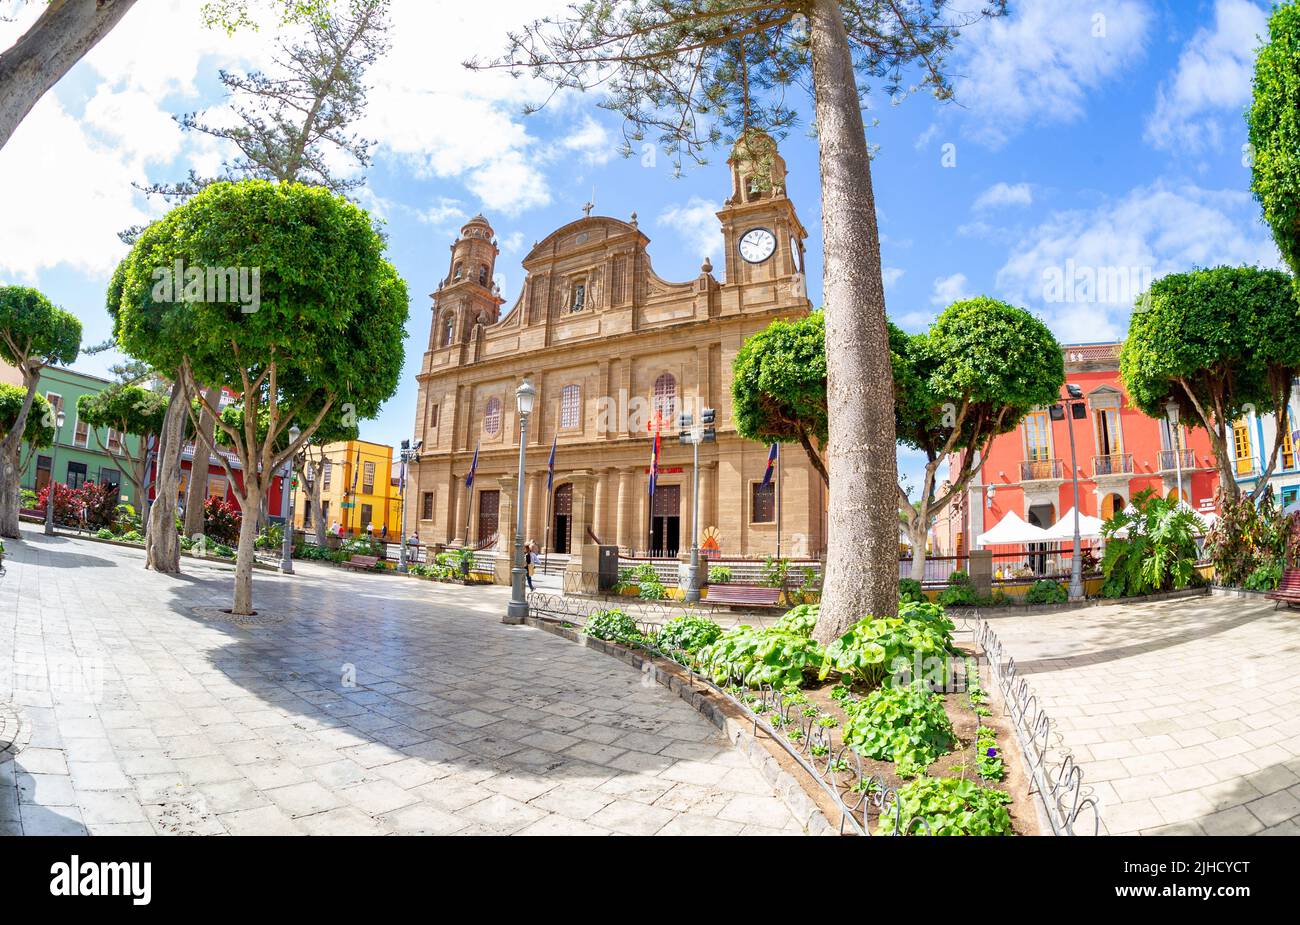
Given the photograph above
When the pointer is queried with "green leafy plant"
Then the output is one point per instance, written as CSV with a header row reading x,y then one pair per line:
x,y
760,656
719,574
799,619
1158,551
104,534
688,633
909,589
961,591
951,806
917,640
613,625
132,537
988,756
652,591
1046,591
905,725
776,572
1265,577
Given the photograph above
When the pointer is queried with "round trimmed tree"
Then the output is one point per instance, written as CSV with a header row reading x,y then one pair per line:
x,y
1218,342
1273,121
316,328
33,334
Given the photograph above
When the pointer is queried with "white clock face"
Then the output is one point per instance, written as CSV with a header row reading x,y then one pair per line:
x,y
757,244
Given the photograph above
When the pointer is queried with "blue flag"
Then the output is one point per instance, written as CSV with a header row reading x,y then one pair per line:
x,y
550,464
473,467
771,466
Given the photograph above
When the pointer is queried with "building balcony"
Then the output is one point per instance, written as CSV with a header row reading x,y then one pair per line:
x,y
1169,461
1113,464
1040,470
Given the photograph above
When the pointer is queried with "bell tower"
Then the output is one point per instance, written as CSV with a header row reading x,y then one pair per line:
x,y
764,237
467,297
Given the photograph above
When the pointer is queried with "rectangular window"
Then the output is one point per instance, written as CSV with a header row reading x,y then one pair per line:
x,y
762,506
325,512
1038,444
109,476
325,479
433,415
368,478
76,475
306,515
579,297
81,433
1289,495
367,516
426,506
1288,447
55,400
114,441
1241,446
570,407
1109,441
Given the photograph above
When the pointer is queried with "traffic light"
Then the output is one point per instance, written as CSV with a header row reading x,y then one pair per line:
x,y
707,417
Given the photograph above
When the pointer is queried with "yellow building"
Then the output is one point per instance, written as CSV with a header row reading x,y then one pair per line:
x,y
356,492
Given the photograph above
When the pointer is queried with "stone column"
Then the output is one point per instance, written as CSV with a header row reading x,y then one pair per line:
x,y
535,507
455,523
623,510
584,559
505,546
601,511
708,475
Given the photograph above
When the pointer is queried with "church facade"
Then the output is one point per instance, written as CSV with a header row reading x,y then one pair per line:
x,y
614,352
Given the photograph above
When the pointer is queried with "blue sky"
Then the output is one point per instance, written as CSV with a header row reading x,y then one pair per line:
x,y
1102,138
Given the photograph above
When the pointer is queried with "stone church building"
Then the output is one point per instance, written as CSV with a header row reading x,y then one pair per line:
x,y
611,349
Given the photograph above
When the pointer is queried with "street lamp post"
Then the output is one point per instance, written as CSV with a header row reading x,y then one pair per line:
x,y
286,541
518,607
1076,564
49,496
409,454
695,434
1171,410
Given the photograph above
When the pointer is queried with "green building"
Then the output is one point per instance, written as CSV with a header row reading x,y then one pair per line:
x,y
80,452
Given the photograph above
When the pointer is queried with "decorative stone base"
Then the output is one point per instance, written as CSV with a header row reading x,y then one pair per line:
x,y
220,615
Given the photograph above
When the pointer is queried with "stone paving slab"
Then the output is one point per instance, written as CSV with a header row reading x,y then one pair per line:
x,y
1184,715
144,716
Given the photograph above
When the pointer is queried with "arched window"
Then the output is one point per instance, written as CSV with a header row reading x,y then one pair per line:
x,y
570,407
665,398
459,271
448,331
492,417
482,274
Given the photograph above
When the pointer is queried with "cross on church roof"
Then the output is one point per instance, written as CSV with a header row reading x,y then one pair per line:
x,y
586,210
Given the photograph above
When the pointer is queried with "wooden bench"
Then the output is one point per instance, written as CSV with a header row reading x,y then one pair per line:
x,y
747,595
361,562
1288,589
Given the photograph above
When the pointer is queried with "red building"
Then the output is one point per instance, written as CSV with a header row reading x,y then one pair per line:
x,y
219,485
1118,451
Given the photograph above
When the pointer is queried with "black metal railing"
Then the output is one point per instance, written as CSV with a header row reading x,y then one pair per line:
x,y
1113,464
1170,460
1031,469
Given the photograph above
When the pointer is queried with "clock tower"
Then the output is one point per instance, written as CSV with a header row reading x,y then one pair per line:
x,y
764,237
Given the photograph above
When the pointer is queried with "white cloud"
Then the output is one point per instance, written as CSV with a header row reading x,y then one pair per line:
x,y
696,223
923,140
1211,83
1037,64
1085,268
949,289
891,275
1004,194
591,141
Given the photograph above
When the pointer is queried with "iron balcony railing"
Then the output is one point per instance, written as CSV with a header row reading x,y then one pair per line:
x,y
1169,460
1113,464
1031,469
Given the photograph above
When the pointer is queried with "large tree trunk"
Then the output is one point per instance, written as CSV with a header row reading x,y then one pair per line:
x,y
63,33
249,503
197,491
9,494
10,448
862,546
916,533
162,548
313,500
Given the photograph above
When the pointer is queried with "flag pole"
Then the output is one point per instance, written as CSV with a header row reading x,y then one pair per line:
x,y
779,484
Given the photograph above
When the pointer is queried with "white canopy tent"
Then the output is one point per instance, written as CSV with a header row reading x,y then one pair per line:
x,y
1063,529
1011,530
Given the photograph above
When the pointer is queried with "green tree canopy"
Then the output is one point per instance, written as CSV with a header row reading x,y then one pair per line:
x,y
980,368
325,333
1274,130
1219,342
778,385
128,409
38,433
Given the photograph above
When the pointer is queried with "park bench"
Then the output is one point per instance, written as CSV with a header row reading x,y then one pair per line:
x,y
361,562
746,595
1288,589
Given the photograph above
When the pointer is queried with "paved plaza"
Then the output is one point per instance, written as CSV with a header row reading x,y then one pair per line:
x,y
138,713
1185,715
